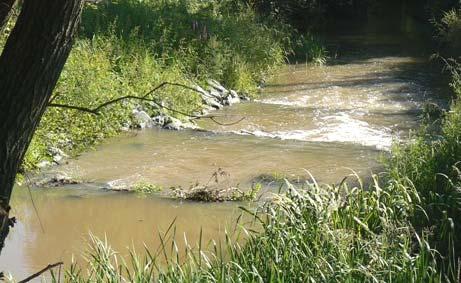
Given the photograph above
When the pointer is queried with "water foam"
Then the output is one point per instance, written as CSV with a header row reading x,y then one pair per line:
x,y
340,128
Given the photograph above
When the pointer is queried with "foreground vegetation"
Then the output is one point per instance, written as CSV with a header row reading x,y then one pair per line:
x,y
310,234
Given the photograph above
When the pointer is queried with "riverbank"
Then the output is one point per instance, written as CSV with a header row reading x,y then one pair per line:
x,y
130,47
388,101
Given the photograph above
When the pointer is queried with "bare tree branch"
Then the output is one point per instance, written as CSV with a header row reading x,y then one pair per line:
x,y
6,6
213,118
97,109
35,275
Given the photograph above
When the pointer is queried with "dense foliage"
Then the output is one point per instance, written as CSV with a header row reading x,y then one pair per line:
x,y
317,14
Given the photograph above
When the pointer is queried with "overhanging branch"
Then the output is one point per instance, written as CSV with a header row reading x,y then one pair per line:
x,y
97,109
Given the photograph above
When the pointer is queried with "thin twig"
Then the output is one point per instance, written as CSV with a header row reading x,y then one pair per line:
x,y
213,118
28,182
35,275
96,110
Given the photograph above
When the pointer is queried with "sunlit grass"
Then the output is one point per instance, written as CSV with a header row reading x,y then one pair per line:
x,y
314,233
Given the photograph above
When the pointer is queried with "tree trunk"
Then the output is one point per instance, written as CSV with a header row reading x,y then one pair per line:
x,y
5,10
30,65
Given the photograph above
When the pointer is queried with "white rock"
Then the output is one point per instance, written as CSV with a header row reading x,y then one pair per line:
x,y
54,151
216,85
142,119
176,124
233,100
201,91
216,94
58,158
213,103
43,164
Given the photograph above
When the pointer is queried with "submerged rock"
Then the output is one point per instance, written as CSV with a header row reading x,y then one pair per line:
x,y
121,185
171,123
176,124
57,180
116,185
233,97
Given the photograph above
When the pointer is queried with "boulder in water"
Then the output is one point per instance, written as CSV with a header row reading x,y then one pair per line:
x,y
56,180
142,119
217,86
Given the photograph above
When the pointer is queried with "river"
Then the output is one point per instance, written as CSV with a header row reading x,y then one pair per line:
x,y
327,120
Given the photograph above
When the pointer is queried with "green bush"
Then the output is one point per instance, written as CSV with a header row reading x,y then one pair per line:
x,y
208,39
449,31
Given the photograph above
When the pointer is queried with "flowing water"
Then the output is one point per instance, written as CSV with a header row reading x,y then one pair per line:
x,y
327,120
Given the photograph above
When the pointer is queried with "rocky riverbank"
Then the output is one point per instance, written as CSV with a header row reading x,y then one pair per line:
x,y
214,97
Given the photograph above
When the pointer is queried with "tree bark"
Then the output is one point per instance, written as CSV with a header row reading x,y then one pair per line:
x,y
6,6
30,65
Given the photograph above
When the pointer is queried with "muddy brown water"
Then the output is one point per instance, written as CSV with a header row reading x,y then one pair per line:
x,y
327,120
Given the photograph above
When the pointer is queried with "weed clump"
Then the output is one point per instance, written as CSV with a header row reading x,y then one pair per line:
x,y
217,189
146,188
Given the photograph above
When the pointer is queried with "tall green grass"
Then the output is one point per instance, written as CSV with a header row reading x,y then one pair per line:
x,y
311,234
432,164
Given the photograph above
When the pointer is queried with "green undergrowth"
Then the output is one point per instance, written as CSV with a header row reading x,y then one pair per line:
x,y
98,70
431,163
127,47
